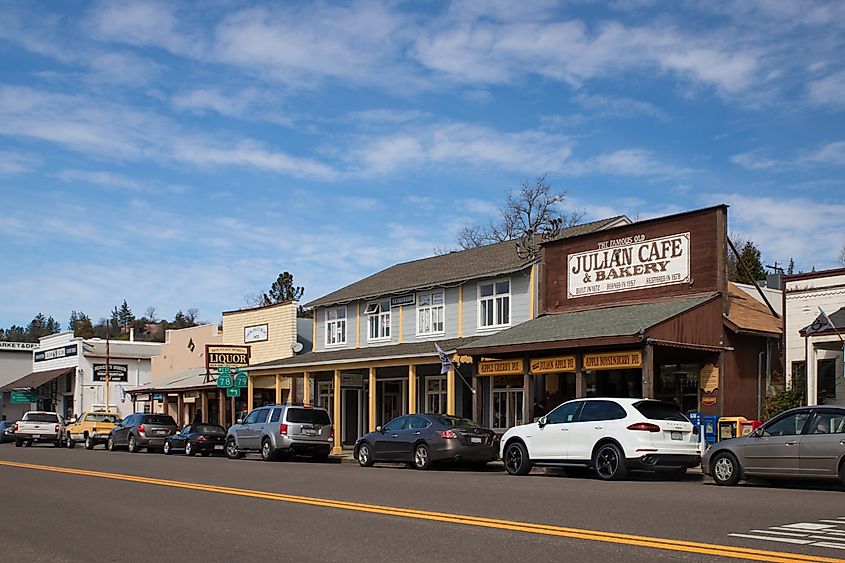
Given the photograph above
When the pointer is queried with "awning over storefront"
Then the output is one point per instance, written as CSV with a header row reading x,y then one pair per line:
x,y
36,379
192,379
619,325
365,354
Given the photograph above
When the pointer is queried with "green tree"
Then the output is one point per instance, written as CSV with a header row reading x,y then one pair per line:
x,y
14,333
41,326
125,315
790,269
531,209
283,290
81,325
749,257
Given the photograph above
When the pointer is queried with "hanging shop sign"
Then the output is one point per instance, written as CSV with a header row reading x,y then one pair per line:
x,y
117,372
55,353
500,367
21,397
142,397
613,360
256,333
558,364
6,345
158,396
629,263
223,355
400,300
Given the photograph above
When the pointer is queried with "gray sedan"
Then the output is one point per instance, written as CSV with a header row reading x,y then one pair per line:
x,y
807,442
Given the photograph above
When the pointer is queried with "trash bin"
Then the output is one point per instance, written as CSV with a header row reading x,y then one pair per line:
x,y
729,427
711,424
748,426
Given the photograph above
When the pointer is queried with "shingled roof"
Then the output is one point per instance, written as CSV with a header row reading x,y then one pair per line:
x,y
456,267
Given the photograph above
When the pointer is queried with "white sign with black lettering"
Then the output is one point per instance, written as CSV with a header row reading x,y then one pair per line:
x,y
636,263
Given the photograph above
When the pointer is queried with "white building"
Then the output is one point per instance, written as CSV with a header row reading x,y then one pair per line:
x,y
814,358
68,374
15,362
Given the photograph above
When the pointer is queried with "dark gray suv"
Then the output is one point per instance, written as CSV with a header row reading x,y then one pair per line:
x,y
141,430
281,431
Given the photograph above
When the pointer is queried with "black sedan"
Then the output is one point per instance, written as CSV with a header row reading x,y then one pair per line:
x,y
422,439
204,439
6,433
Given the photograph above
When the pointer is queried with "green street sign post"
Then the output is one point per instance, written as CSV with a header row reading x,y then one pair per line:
x,y
224,381
233,392
241,379
223,370
24,397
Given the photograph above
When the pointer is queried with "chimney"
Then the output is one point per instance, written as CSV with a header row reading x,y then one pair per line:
x,y
131,335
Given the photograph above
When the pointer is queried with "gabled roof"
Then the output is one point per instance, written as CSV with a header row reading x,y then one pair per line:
x,y
453,268
565,329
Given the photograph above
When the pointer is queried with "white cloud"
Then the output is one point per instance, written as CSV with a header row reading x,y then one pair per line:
x,y
478,206
353,204
755,160
832,154
388,116
211,99
827,91
14,162
123,68
625,162
99,177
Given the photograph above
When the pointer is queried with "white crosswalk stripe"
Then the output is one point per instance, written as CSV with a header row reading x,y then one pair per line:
x,y
828,533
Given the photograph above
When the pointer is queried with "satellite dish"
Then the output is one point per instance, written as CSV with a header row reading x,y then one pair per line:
x,y
296,347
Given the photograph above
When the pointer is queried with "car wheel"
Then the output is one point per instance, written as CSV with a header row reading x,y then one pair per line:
x,y
18,443
609,463
517,461
189,450
69,442
167,448
724,468
267,453
205,454
89,443
133,446
232,451
422,457
58,443
28,443
842,472
365,457
110,444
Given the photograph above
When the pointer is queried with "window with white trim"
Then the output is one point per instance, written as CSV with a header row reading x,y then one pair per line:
x,y
378,321
494,304
336,326
435,395
431,311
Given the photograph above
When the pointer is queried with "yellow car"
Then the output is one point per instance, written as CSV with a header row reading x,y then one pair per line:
x,y
92,428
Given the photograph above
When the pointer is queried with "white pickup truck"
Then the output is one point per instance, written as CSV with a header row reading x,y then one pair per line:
x,y
39,426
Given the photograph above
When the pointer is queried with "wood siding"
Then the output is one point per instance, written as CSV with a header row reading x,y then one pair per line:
x,y
701,325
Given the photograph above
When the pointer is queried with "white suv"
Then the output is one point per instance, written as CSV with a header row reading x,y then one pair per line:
x,y
609,435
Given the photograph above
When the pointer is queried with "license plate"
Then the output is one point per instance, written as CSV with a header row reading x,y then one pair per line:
x,y
160,432
36,435
474,440
218,447
677,436
309,432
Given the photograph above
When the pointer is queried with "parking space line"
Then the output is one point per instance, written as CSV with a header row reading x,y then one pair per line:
x,y
668,544
780,539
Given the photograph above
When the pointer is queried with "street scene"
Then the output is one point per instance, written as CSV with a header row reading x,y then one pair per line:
x,y
379,281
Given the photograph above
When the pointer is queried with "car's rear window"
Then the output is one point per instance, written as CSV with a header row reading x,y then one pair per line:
x,y
162,419
308,416
208,429
453,421
102,417
41,417
658,410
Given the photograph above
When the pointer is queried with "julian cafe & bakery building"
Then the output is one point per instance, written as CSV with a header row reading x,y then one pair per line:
x,y
640,310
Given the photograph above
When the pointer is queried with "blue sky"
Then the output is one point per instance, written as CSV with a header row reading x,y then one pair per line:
x,y
183,154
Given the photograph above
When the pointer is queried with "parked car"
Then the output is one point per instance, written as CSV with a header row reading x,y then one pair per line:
x,y
7,433
92,428
612,436
423,439
802,443
202,439
141,430
39,426
280,431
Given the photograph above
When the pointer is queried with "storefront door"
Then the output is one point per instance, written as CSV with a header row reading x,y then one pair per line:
x,y
392,400
352,416
507,408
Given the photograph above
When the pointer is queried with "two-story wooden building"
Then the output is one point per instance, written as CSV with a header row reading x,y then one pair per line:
x,y
639,310
374,354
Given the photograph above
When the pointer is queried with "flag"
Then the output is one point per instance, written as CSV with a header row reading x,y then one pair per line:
x,y
821,323
445,362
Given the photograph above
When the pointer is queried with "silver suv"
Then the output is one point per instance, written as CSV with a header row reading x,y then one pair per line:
x,y
281,431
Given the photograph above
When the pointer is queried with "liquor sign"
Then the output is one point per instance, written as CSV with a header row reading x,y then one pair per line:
x,y
613,360
117,372
400,300
552,365
257,333
223,355
629,263
55,353
500,367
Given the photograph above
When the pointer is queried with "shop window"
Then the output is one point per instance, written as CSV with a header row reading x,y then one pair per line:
x,y
435,395
325,396
336,326
378,321
799,376
827,380
494,304
430,313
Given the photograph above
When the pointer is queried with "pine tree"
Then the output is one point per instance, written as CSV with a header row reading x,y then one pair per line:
x,y
125,315
790,269
283,290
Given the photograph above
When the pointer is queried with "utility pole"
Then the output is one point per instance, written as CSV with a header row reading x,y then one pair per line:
x,y
108,365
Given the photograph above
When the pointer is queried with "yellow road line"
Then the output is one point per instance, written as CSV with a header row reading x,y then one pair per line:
x,y
524,527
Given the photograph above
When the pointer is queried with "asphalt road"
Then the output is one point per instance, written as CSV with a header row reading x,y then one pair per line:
x,y
212,509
